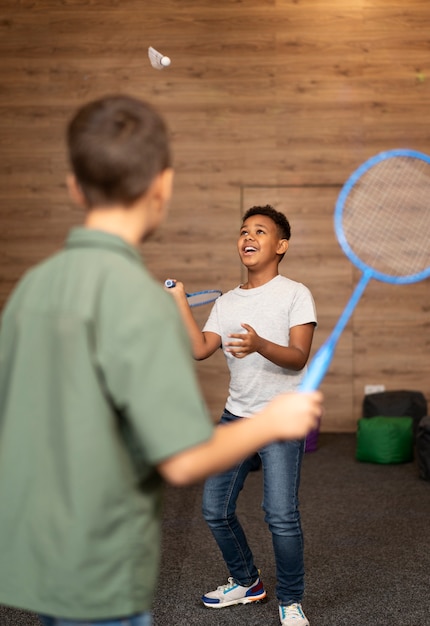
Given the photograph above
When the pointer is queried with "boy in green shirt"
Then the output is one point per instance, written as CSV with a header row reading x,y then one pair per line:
x,y
98,396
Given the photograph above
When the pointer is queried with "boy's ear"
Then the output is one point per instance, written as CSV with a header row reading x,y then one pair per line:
x,y
75,191
282,246
163,184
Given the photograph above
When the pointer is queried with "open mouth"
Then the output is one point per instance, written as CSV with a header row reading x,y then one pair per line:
x,y
249,250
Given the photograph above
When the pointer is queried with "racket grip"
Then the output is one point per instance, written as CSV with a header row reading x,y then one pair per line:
x,y
317,368
169,283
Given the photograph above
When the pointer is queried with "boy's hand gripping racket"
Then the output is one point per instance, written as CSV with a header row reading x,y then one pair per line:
x,y
382,222
198,298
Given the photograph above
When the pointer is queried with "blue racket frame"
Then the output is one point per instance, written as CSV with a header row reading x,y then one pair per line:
x,y
322,359
212,294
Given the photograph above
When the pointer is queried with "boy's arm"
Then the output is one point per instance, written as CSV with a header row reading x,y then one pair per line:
x,y
288,416
293,357
203,343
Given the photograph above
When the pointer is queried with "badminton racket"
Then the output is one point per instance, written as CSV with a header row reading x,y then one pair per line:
x,y
198,298
382,223
158,61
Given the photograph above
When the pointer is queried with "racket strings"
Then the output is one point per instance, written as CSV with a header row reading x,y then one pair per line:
x,y
386,217
203,297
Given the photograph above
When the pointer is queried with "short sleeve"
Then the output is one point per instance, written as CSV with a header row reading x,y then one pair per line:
x,y
150,375
303,310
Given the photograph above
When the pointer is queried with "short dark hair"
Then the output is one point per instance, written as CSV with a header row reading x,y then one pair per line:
x,y
117,146
279,218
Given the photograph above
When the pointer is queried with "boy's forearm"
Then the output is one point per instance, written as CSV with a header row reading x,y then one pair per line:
x,y
289,416
289,357
195,334
228,445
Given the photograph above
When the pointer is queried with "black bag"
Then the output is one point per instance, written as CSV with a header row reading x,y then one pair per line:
x,y
423,447
398,403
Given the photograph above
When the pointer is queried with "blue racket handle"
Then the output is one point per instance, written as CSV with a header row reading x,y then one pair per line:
x,y
169,283
322,359
318,366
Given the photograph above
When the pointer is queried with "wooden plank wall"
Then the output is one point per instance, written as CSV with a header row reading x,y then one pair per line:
x,y
269,101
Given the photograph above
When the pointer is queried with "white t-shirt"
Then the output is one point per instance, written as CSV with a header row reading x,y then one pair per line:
x,y
271,310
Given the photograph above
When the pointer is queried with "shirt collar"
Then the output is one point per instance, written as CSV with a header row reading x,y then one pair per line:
x,y
81,237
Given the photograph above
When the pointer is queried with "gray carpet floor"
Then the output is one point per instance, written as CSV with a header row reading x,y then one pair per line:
x,y
367,548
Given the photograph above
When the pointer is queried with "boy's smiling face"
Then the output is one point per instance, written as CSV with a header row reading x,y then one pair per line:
x,y
259,243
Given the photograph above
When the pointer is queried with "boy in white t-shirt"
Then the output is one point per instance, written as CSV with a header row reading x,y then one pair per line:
x,y
265,328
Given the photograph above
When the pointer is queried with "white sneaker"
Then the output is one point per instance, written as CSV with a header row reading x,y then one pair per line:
x,y
292,615
231,593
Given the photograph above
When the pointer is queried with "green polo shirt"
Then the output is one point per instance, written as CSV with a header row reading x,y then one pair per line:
x,y
97,386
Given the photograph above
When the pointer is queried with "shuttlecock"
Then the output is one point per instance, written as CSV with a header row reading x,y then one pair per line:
x,y
158,60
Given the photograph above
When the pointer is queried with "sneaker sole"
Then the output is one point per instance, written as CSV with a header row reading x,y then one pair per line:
x,y
249,600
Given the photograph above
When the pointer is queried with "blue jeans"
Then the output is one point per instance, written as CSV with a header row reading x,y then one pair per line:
x,y
142,619
281,464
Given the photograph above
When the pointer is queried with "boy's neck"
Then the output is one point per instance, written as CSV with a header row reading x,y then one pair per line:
x,y
111,222
126,223
257,279
134,222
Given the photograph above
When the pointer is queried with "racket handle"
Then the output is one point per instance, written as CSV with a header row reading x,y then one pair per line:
x,y
318,367
322,359
169,283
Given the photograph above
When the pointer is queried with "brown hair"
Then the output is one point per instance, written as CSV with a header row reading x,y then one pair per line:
x,y
117,146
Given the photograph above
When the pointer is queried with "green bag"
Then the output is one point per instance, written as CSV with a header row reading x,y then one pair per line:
x,y
385,440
